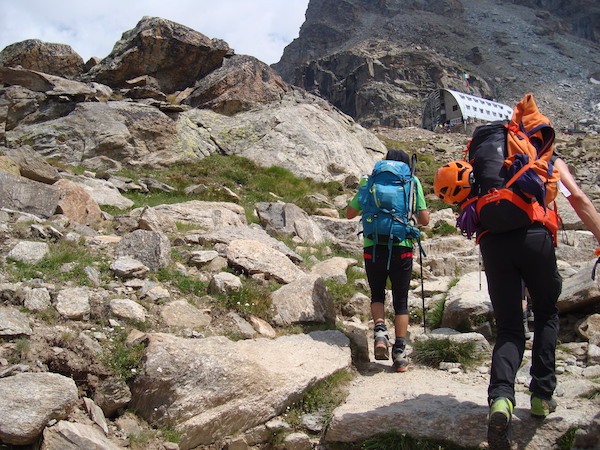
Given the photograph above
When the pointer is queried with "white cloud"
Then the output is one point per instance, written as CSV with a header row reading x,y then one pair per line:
x,y
261,28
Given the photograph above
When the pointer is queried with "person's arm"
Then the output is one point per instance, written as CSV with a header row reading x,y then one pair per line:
x,y
423,217
421,205
580,202
351,212
353,209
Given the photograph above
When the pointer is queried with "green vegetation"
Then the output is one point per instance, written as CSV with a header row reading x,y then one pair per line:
x,y
322,398
426,165
435,204
66,261
185,283
435,314
398,441
254,298
566,440
442,228
432,352
141,440
171,435
50,316
341,293
124,359
594,394
22,348
249,181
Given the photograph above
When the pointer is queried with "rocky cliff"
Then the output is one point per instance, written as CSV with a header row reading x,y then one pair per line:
x,y
377,60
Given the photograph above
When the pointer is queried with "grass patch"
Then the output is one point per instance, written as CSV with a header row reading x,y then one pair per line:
x,y
322,398
341,293
22,349
49,315
432,352
65,261
249,181
171,435
254,298
565,442
415,315
123,359
436,204
402,441
141,440
184,283
435,314
443,228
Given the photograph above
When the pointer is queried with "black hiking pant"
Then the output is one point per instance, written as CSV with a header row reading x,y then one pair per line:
x,y
524,255
399,273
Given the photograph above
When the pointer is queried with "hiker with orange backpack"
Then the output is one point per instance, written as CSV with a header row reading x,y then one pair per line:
x,y
505,192
453,185
389,210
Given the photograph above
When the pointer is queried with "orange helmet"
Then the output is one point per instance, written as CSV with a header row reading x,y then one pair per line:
x,y
452,183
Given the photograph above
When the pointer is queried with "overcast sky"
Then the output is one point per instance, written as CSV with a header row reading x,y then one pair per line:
x,y
260,28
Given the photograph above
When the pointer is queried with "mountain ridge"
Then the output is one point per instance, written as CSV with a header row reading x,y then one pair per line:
x,y
507,48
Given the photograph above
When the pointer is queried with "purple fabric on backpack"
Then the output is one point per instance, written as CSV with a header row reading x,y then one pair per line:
x,y
529,182
467,221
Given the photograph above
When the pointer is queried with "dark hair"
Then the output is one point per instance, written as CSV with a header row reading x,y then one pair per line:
x,y
398,155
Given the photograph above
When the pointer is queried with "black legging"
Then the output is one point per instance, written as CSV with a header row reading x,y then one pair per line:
x,y
399,273
525,255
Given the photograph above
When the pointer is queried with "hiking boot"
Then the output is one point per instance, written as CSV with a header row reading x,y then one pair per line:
x,y
541,407
382,343
399,358
499,424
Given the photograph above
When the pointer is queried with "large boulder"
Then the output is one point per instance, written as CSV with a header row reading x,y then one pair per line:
x,y
175,55
131,133
300,133
30,401
33,166
238,85
20,194
33,54
22,105
211,388
76,203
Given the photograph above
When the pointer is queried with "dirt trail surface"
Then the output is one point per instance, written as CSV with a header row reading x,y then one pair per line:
x,y
452,407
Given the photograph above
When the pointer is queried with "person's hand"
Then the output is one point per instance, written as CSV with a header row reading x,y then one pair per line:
x,y
597,253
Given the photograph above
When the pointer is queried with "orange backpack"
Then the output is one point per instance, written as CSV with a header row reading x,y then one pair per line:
x,y
514,179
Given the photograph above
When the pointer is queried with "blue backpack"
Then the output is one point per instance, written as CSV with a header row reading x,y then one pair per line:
x,y
387,203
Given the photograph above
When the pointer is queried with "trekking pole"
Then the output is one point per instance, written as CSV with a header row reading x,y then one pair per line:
x,y
413,204
422,287
479,265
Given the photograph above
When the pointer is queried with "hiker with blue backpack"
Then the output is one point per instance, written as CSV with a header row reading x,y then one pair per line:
x,y
392,204
506,193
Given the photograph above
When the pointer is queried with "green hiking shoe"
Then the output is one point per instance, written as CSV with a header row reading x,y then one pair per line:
x,y
541,407
499,424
